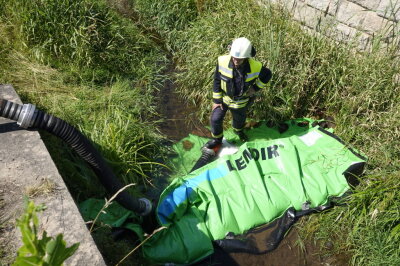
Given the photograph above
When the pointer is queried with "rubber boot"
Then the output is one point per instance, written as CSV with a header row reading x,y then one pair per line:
x,y
211,144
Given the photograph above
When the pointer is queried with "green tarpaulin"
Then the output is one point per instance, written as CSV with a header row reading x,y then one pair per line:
x,y
272,172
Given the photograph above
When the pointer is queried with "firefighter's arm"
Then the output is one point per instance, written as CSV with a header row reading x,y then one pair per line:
x,y
262,80
217,91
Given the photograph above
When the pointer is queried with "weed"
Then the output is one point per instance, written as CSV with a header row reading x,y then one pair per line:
x,y
116,116
45,187
141,243
40,251
107,203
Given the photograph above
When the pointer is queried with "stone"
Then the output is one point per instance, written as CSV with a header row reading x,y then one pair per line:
x,y
328,6
351,14
389,9
368,4
307,15
374,23
348,34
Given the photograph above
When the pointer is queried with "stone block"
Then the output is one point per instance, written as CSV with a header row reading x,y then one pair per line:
x,y
307,15
375,24
348,34
328,6
368,4
351,14
389,9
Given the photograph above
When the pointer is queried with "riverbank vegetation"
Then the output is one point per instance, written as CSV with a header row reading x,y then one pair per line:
x,y
360,90
86,64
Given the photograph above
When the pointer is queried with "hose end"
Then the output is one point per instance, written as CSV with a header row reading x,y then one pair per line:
x,y
208,152
147,206
27,115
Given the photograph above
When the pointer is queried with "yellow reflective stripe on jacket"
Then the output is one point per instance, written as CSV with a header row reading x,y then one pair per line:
x,y
227,73
260,84
217,95
223,86
235,104
252,75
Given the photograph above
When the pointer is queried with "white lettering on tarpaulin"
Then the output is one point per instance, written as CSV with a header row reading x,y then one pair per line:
x,y
310,138
252,154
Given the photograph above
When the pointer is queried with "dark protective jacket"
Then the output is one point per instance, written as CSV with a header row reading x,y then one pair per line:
x,y
231,85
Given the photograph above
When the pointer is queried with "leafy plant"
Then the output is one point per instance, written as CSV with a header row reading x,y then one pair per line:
x,y
40,251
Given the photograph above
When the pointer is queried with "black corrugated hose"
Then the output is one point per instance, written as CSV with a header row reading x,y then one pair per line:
x,y
27,116
206,156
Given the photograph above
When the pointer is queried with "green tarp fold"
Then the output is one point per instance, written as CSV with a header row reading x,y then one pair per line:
x,y
272,172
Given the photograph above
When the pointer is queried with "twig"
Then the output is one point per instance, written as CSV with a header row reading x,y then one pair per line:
x,y
108,202
147,238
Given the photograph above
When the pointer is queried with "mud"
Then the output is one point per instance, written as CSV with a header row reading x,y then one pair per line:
x,y
179,117
291,251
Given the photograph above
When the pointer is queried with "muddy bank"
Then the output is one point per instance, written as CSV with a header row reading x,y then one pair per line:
x,y
179,118
291,251
177,115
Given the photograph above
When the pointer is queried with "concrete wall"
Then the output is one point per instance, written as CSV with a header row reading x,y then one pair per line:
x,y
25,164
347,19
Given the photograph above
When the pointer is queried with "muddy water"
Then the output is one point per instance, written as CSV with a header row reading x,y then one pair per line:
x,y
288,252
179,120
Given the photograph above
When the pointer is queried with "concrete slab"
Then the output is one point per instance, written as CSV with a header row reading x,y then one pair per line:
x,y
25,165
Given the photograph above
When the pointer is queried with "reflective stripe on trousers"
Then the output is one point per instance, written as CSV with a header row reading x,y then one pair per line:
x,y
217,119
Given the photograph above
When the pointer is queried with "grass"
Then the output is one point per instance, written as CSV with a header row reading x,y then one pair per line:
x,y
113,105
45,187
82,62
84,38
99,72
360,90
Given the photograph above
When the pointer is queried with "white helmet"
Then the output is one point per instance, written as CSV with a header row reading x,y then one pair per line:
x,y
241,48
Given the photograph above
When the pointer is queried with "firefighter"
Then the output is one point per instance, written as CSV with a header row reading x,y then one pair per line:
x,y
236,80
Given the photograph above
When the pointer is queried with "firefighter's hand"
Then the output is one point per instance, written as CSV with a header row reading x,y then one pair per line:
x,y
216,105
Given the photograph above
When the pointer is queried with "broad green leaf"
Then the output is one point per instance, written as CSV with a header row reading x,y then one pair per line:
x,y
57,252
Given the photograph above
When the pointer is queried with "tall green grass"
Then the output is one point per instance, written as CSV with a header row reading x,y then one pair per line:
x,y
360,90
82,62
84,37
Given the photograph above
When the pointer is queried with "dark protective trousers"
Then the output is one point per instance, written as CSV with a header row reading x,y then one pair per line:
x,y
217,119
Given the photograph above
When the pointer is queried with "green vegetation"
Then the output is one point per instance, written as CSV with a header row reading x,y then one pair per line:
x,y
360,90
84,63
44,251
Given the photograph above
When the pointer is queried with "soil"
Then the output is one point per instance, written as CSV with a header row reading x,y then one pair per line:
x,y
289,252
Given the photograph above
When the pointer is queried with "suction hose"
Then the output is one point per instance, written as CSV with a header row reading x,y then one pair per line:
x,y
27,116
206,156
